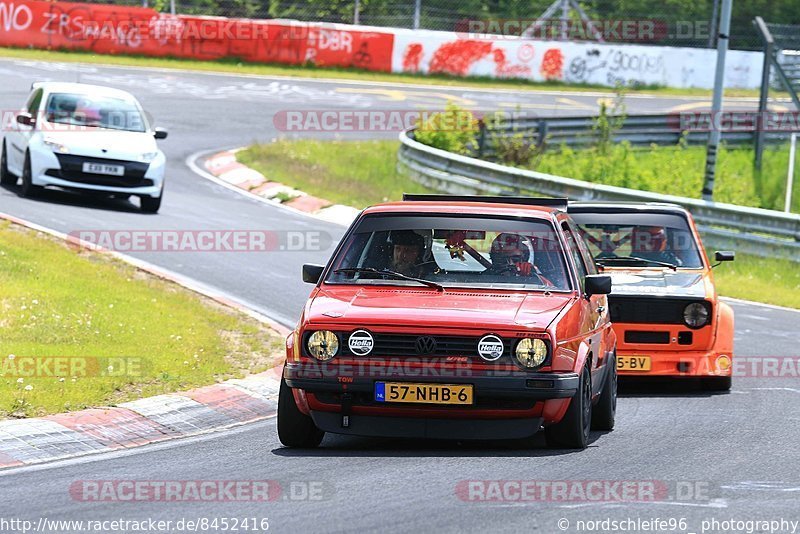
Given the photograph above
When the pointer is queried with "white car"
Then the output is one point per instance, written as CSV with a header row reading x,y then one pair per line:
x,y
84,137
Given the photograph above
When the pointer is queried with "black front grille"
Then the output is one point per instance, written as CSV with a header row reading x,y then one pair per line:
x,y
648,310
635,336
72,170
406,345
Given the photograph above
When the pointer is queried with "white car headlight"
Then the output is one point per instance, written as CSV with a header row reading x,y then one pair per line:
x,y
531,352
55,146
323,345
695,315
147,157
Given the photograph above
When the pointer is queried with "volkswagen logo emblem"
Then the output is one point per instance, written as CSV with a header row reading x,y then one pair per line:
x,y
490,347
425,345
360,343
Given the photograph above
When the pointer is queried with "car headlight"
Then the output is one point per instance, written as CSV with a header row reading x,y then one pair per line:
x,y
55,146
323,345
147,157
531,352
695,315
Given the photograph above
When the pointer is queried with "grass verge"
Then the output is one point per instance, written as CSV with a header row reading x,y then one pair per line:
x,y
678,170
360,173
110,332
235,66
353,173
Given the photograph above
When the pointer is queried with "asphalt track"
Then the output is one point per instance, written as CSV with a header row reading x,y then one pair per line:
x,y
739,451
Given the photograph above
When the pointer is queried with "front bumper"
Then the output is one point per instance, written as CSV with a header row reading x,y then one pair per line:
x,y
527,385
681,363
64,171
505,407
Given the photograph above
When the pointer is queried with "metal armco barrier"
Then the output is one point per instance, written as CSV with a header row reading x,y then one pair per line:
x,y
638,130
752,230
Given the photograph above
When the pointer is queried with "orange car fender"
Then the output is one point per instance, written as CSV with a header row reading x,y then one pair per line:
x,y
723,337
301,401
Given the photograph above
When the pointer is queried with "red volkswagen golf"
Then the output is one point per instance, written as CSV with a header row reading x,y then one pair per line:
x,y
453,318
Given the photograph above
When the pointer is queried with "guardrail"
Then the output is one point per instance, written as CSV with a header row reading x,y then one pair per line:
x,y
638,130
724,226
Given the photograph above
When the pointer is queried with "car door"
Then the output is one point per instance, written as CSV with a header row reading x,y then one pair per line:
x,y
20,134
594,307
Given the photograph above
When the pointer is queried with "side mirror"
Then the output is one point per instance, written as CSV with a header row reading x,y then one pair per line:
x,y
724,255
597,284
26,119
312,273
160,133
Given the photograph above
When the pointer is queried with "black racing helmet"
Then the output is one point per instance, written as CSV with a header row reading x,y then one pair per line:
x,y
510,246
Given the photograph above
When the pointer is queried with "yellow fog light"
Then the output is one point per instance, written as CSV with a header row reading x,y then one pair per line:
x,y
723,362
531,352
323,345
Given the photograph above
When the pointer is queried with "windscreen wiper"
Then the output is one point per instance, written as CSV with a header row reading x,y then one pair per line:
x,y
601,261
393,274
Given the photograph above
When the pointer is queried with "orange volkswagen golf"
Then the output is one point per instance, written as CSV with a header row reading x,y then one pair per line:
x,y
665,309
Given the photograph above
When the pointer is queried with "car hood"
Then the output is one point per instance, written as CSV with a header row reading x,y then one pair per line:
x,y
658,283
483,309
118,144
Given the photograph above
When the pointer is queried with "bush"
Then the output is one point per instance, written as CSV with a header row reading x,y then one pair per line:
x,y
454,130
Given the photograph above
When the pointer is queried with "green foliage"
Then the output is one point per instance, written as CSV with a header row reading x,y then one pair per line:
x,y
608,122
454,130
353,173
678,170
516,149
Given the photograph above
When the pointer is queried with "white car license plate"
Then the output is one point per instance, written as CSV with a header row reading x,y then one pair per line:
x,y
102,168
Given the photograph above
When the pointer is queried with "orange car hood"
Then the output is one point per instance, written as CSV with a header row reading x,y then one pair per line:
x,y
655,282
487,310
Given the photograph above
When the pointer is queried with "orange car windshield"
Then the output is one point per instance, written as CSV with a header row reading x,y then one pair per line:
x,y
640,239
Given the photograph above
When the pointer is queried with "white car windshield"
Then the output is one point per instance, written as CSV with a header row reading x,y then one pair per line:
x,y
94,111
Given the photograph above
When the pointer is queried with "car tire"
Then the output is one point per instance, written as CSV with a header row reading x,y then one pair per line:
x,y
6,178
150,204
28,190
295,429
605,411
716,383
572,432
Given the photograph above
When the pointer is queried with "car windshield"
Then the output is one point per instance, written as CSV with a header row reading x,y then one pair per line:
x,y
452,251
639,239
94,111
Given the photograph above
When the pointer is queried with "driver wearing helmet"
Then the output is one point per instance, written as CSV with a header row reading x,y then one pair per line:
x,y
511,255
650,243
408,248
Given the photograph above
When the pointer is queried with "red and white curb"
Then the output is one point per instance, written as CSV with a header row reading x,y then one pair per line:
x,y
149,420
225,167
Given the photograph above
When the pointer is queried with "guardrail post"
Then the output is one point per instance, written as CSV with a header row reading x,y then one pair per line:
x,y
481,137
543,128
769,43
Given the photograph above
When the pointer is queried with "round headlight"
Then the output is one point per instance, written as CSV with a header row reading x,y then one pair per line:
x,y
531,352
695,315
323,345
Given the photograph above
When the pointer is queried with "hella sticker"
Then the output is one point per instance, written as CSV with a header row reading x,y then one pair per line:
x,y
490,347
361,343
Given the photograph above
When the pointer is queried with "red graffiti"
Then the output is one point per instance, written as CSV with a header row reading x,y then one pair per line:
x,y
459,56
504,69
412,57
552,64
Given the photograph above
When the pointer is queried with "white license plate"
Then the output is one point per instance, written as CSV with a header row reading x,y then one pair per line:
x,y
102,168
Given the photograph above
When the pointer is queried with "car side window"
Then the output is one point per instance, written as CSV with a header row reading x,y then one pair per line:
x,y
588,259
575,252
35,101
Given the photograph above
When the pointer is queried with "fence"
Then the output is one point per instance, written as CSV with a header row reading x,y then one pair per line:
x,y
691,21
752,230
